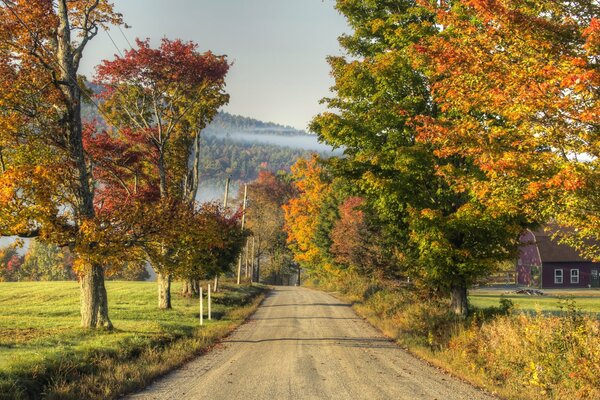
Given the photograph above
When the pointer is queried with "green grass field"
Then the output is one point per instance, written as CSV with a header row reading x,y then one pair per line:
x,y
42,347
552,301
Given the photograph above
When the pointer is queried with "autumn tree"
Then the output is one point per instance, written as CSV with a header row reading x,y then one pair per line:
x,y
45,179
46,262
356,239
10,263
302,213
265,219
380,94
166,96
517,86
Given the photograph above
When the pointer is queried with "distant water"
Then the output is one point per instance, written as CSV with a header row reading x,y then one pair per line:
x,y
211,191
9,240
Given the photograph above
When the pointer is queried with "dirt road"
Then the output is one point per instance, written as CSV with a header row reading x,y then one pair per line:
x,y
304,344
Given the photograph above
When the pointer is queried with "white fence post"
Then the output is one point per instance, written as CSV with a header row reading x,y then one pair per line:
x,y
209,305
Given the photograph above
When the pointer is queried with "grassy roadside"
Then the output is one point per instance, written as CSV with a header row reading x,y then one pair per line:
x,y
511,354
43,353
587,300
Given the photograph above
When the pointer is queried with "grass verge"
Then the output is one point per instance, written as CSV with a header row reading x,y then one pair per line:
x,y
515,355
587,300
43,353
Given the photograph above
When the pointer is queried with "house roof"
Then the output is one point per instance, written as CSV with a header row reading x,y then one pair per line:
x,y
551,250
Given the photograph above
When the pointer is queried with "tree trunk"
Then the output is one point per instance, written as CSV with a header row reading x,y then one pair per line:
x,y
458,299
216,284
258,269
190,288
186,289
164,291
94,301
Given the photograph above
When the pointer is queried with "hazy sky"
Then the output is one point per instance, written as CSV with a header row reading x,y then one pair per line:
x,y
278,48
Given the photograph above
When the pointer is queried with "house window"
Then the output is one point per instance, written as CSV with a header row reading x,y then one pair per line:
x,y
574,276
558,276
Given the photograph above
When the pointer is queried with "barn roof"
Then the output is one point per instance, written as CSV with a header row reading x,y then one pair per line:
x,y
552,251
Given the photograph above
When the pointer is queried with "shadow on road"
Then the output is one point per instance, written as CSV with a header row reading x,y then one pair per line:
x,y
309,304
372,343
276,318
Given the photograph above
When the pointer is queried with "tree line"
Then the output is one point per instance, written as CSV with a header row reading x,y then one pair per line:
x,y
115,192
463,123
242,161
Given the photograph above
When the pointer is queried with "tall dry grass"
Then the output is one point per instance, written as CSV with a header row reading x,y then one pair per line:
x,y
515,355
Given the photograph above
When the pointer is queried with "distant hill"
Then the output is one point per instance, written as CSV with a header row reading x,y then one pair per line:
x,y
239,147
225,123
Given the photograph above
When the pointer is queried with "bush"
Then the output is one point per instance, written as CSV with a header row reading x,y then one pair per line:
x,y
544,356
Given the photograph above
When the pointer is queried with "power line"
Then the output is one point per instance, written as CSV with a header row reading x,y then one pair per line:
x,y
125,37
113,42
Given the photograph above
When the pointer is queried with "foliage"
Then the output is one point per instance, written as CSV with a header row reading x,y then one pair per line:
x,y
10,264
131,271
435,230
265,217
46,185
228,123
159,100
242,161
45,262
302,214
517,88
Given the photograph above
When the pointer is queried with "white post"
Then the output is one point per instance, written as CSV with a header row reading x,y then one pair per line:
x,y
202,307
209,305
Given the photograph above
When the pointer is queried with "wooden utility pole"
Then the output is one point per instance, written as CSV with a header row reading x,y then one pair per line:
x,y
226,192
252,262
246,262
239,271
216,285
258,260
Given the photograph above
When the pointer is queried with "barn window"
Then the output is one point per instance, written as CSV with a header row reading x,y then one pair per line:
x,y
575,276
558,276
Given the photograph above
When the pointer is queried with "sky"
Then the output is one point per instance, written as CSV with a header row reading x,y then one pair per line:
x,y
278,48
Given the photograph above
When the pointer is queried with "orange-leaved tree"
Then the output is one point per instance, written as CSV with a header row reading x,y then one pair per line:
x,y
46,181
302,214
517,84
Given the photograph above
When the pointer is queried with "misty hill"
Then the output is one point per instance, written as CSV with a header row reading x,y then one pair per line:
x,y
239,147
227,123
243,130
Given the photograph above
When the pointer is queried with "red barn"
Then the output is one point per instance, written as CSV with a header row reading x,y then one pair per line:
x,y
556,264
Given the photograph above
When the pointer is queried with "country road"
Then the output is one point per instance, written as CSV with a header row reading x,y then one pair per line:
x,y
305,344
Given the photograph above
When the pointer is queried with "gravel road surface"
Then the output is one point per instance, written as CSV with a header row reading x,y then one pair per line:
x,y
305,344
